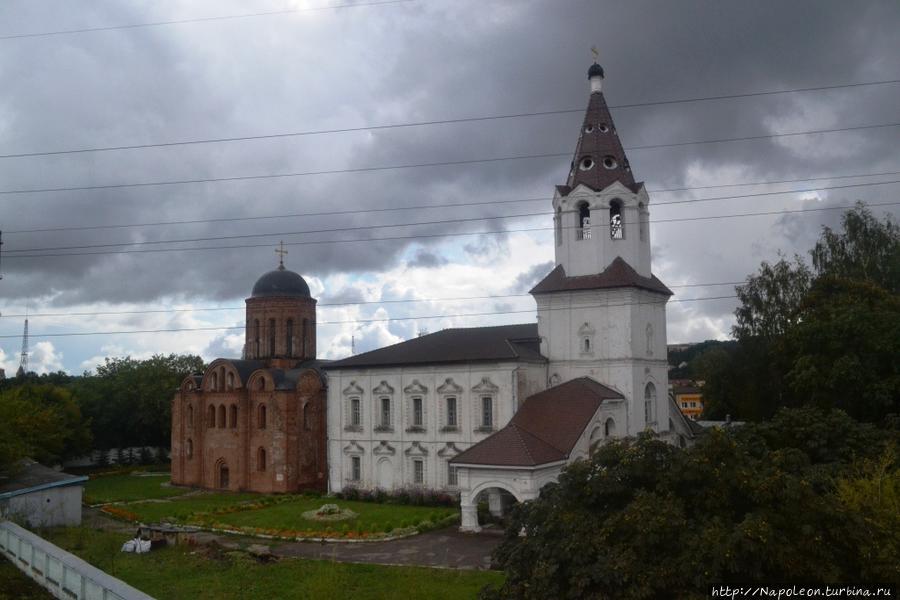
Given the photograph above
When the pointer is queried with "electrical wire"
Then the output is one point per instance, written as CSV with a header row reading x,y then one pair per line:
x,y
431,122
358,321
319,305
144,184
14,36
433,206
13,253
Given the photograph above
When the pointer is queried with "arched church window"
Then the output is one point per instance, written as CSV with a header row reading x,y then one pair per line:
x,y
307,418
558,223
190,416
213,381
271,337
649,334
583,230
616,225
289,337
222,416
587,345
304,349
649,403
229,381
261,416
261,459
609,428
211,416
232,416
257,338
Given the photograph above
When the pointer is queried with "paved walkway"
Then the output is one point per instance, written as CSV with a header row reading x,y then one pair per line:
x,y
442,548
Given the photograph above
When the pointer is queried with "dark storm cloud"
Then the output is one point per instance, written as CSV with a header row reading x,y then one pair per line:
x,y
406,63
427,260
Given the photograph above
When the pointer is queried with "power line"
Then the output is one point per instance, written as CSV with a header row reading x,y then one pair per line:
x,y
418,165
427,123
428,206
442,235
356,321
414,224
270,13
321,305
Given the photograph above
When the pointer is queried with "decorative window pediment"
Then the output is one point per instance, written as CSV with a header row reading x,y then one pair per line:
x,y
416,449
485,386
354,448
586,329
449,388
353,389
449,450
384,449
415,388
383,389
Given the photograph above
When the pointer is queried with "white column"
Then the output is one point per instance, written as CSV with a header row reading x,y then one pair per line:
x,y
469,515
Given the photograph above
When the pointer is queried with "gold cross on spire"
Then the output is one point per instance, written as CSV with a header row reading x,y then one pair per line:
x,y
595,52
280,251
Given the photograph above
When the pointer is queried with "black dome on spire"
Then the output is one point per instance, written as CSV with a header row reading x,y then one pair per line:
x,y
280,283
595,71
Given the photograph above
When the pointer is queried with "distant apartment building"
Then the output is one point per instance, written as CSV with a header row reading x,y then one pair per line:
x,y
689,399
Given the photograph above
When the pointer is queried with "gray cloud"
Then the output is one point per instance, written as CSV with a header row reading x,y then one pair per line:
x,y
413,62
427,260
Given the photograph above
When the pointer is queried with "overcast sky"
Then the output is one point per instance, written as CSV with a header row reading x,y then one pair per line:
x,y
420,60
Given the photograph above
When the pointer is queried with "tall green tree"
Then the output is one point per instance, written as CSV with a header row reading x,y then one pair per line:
x,y
643,519
129,401
42,422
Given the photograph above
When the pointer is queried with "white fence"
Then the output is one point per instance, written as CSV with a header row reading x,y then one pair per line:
x,y
64,575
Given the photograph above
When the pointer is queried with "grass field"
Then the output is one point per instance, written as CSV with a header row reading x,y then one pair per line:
x,y
15,585
186,572
129,487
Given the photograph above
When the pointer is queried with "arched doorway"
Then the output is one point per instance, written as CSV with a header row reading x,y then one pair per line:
x,y
222,475
488,503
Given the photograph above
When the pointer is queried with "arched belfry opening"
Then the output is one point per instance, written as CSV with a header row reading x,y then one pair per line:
x,y
583,231
616,223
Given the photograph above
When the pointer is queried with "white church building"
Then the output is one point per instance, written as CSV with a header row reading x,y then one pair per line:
x,y
497,412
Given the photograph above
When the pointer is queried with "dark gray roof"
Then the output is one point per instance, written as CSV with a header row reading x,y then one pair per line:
x,y
473,344
617,275
287,379
245,368
280,283
29,476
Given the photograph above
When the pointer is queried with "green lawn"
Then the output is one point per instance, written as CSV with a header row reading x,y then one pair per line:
x,y
285,515
372,517
15,585
128,487
184,572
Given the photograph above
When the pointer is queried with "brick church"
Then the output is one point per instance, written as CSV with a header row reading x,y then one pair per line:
x,y
258,424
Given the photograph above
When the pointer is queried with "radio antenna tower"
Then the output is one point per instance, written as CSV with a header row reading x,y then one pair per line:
x,y
23,361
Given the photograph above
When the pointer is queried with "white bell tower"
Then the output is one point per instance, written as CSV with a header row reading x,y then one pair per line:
x,y
601,311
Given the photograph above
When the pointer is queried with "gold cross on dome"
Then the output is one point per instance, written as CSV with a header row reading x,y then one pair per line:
x,y
595,52
280,251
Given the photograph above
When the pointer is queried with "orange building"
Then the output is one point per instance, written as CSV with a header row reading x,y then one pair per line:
x,y
689,400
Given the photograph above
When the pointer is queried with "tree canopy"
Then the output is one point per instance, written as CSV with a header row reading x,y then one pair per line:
x,y
771,502
825,335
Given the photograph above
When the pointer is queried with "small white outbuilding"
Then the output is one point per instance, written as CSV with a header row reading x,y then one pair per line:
x,y
40,496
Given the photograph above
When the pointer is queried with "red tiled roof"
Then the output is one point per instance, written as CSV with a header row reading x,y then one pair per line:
x,y
599,140
618,274
545,428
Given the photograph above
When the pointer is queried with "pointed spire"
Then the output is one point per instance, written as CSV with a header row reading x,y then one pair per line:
x,y
599,157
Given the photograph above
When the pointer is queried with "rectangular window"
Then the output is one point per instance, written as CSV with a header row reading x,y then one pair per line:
x,y
451,412
355,468
418,419
418,471
385,412
355,417
487,412
452,478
